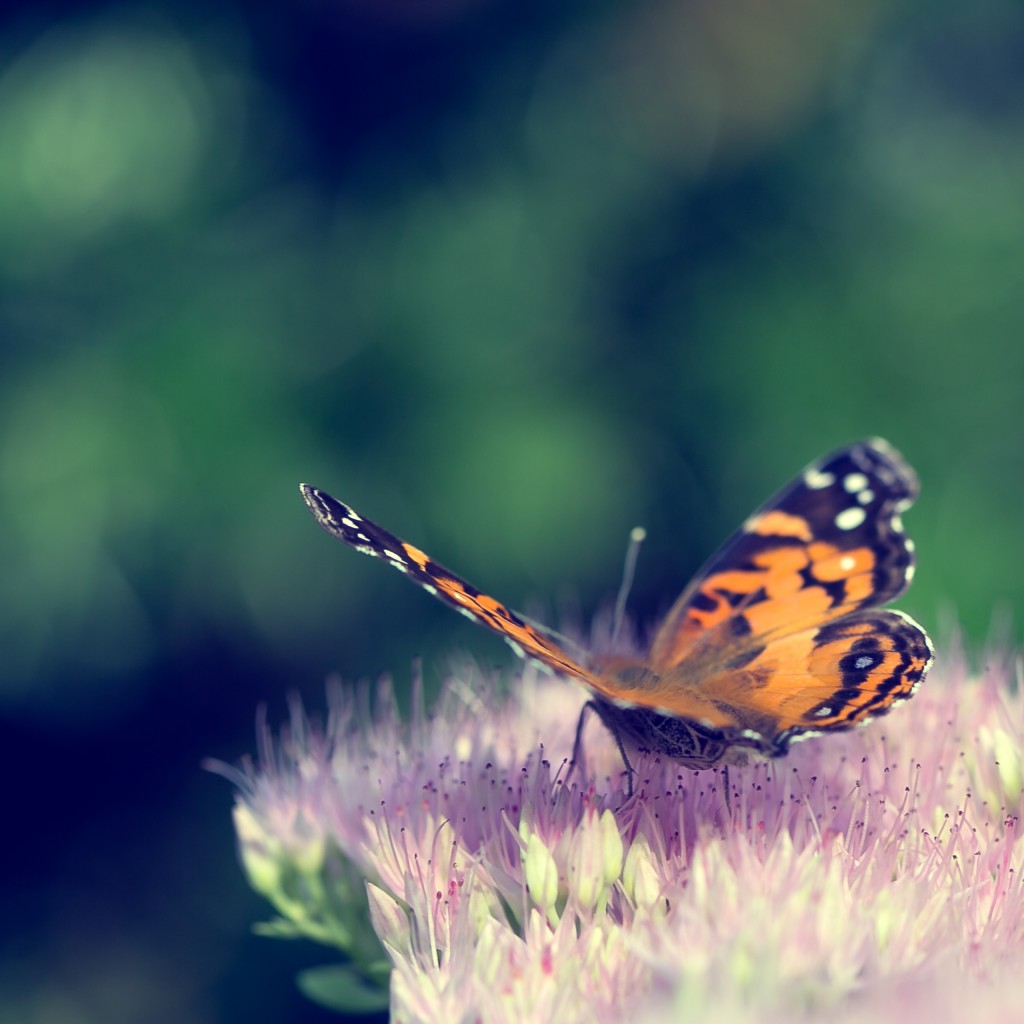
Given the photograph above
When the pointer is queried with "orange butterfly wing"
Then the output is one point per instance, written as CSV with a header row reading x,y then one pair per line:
x,y
343,522
779,636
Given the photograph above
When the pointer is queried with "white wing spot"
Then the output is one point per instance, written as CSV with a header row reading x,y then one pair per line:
x,y
364,539
804,734
865,661
469,615
394,556
850,518
847,562
866,496
429,589
854,482
824,712
519,652
897,524
816,479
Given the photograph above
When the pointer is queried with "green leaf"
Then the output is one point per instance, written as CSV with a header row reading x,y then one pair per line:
x,y
279,928
340,987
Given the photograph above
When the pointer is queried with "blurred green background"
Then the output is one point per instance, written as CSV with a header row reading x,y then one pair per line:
x,y
510,277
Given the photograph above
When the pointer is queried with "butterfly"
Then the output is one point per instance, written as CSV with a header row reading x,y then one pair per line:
x,y
780,636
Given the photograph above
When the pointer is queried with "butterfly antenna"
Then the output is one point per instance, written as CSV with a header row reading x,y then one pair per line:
x,y
636,537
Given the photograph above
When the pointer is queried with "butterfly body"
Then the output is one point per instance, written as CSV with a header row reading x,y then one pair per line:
x,y
779,636
688,739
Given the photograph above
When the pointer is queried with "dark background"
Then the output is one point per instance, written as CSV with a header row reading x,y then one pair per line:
x,y
511,277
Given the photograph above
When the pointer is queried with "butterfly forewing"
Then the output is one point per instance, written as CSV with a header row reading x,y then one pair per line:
x,y
828,544
343,522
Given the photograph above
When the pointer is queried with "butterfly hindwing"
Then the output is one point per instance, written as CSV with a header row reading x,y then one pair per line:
x,y
839,675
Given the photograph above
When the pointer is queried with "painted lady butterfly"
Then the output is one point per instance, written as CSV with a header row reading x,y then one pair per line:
x,y
779,636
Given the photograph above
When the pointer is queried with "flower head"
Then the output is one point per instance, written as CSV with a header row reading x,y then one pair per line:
x,y
860,875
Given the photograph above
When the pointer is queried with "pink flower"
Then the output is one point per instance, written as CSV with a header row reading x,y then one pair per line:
x,y
865,875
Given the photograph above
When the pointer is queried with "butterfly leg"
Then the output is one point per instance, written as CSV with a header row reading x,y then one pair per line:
x,y
577,746
625,760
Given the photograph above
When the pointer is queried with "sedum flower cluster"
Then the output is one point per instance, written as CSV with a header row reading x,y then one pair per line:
x,y
463,873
